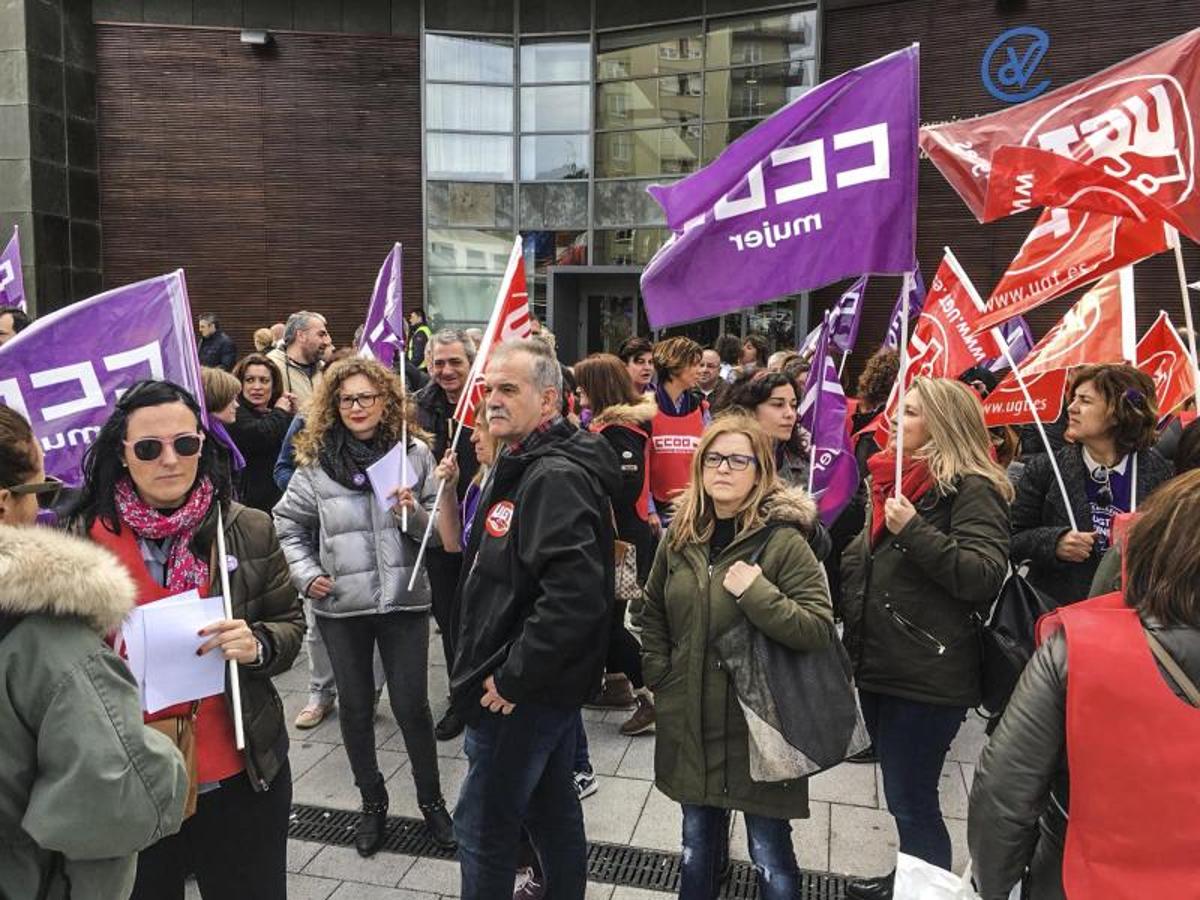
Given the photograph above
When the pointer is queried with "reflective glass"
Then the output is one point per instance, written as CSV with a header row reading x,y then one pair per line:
x,y
657,51
468,107
777,321
627,246
756,90
764,38
656,151
461,300
627,203
613,13
456,58
469,203
555,108
554,205
555,60
648,101
468,250
482,156
720,135
554,248
554,156
554,15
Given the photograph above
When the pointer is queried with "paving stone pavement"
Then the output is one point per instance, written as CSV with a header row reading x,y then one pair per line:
x,y
849,831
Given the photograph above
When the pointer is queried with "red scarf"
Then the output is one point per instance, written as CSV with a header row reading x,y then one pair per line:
x,y
184,569
915,480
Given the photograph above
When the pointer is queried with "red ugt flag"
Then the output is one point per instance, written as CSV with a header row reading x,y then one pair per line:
x,y
1097,329
1006,405
1162,355
510,321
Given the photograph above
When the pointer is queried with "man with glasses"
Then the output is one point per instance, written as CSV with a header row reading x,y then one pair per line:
x,y
305,341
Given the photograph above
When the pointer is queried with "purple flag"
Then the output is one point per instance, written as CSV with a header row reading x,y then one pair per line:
x,y
12,282
916,300
383,333
1018,337
846,316
834,476
824,189
66,370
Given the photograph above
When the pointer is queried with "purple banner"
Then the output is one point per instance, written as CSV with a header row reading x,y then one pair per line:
x,y
916,300
1018,337
824,189
846,317
383,333
66,370
12,282
834,475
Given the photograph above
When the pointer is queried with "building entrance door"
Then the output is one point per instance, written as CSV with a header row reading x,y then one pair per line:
x,y
608,318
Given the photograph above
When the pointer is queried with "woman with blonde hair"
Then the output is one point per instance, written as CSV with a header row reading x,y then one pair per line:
x,y
930,559
354,560
704,582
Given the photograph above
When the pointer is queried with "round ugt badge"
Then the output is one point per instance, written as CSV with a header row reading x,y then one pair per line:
x,y
499,519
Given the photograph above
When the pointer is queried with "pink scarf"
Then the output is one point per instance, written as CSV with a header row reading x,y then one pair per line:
x,y
184,569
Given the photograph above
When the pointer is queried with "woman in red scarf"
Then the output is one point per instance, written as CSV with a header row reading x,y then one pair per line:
x,y
927,561
151,494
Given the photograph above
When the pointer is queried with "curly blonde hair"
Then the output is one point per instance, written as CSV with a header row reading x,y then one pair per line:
x,y
323,408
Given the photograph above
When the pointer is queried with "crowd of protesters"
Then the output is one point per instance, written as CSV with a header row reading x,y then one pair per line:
x,y
595,533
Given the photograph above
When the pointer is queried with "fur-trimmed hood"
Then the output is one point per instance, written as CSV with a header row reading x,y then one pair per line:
x,y
627,413
792,506
51,573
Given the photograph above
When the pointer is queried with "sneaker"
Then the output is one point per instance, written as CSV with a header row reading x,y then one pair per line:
x,y
528,886
313,714
585,784
616,693
642,720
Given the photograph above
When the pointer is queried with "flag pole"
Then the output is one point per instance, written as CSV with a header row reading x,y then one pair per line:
x,y
404,437
1173,236
235,682
842,364
902,376
437,502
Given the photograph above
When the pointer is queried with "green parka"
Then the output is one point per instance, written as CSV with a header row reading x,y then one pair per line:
x,y
84,785
702,752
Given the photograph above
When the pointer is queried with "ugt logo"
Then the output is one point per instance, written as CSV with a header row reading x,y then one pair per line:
x,y
1010,62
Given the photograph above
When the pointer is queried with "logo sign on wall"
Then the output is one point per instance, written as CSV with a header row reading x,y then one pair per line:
x,y
1010,63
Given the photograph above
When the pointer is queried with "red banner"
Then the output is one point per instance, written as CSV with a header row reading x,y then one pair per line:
x,y
1135,121
1094,330
1067,249
1162,355
1006,405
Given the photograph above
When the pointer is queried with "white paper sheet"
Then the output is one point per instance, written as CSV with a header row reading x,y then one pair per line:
x,y
390,472
161,640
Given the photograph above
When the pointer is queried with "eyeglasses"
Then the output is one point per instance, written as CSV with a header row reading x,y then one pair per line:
x,y
148,449
737,462
1102,475
47,491
364,401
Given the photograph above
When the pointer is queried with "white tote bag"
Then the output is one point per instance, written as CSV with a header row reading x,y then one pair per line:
x,y
919,880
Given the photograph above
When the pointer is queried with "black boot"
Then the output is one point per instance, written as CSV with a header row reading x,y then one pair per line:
x,y
439,823
449,727
372,821
871,888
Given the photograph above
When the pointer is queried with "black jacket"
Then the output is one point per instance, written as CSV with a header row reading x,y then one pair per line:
x,y
435,413
217,351
627,429
1019,798
536,593
259,435
1039,518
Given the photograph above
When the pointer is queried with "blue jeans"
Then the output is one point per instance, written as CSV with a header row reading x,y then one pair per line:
x,y
705,830
520,772
912,739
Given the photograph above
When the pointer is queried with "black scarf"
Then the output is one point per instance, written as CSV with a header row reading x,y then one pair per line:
x,y
346,459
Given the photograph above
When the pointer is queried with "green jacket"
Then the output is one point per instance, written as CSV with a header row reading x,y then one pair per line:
x,y
84,785
908,602
702,753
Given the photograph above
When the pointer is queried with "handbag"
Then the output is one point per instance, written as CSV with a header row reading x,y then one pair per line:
x,y
627,587
1007,639
800,706
181,730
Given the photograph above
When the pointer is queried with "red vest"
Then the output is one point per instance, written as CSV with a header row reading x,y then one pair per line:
x,y
672,446
1134,828
217,756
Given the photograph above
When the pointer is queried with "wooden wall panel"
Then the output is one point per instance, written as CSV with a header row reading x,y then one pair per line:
x,y
1086,36
276,179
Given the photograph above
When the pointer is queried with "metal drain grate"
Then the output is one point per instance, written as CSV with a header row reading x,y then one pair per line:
x,y
618,864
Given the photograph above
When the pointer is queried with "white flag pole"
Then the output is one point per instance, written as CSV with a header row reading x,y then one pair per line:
x,y
842,364
1173,237
902,377
235,683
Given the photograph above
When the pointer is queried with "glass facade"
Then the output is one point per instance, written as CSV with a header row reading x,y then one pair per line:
x,y
542,122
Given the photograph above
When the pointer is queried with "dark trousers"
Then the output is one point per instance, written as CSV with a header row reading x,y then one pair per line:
x,y
520,772
706,833
403,641
236,844
624,652
912,739
443,569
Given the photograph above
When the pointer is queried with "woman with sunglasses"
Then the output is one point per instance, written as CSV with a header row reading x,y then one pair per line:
x,y
354,560
151,495
73,819
1111,419
702,584
263,415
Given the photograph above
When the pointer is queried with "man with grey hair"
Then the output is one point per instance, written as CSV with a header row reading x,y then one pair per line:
x,y
305,340
216,349
532,615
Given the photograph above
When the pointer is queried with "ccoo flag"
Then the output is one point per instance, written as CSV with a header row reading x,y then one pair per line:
x,y
916,300
383,333
843,321
834,475
1017,337
824,189
12,282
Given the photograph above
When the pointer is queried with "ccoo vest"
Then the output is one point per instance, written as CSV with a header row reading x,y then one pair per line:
x,y
673,443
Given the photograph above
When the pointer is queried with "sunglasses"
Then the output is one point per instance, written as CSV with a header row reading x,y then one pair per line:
x,y
47,491
1103,477
148,449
